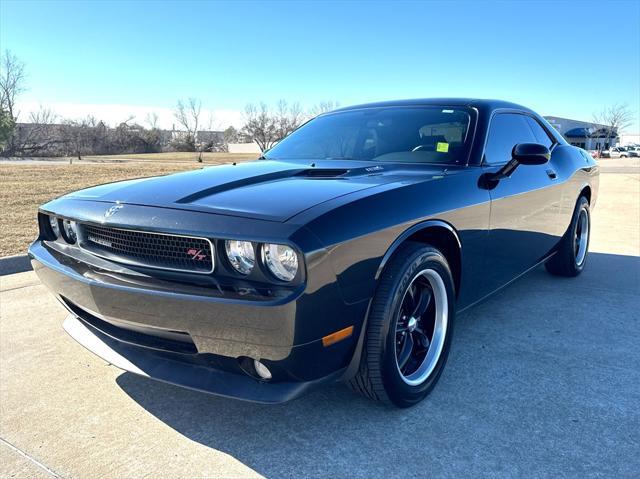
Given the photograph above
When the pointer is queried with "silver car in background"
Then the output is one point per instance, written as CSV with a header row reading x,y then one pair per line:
x,y
615,152
633,151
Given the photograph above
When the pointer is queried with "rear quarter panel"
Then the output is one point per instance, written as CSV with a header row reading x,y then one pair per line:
x,y
579,170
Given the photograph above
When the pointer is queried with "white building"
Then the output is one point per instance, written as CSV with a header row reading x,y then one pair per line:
x,y
244,148
629,139
585,134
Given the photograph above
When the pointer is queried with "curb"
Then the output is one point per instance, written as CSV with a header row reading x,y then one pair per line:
x,y
18,263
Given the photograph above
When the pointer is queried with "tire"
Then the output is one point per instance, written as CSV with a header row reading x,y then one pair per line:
x,y
572,253
417,277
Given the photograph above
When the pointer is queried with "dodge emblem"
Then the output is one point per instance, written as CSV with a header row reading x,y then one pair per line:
x,y
112,211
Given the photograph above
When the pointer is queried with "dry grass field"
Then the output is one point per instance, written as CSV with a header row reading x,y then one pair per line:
x,y
178,156
23,187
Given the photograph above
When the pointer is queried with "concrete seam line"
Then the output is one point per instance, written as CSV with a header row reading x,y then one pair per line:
x,y
32,459
38,283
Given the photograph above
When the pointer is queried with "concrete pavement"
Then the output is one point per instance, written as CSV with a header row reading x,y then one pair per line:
x,y
543,381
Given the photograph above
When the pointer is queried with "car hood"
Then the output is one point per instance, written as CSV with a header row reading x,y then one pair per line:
x,y
264,189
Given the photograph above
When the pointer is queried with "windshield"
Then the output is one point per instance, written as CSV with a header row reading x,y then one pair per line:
x,y
391,134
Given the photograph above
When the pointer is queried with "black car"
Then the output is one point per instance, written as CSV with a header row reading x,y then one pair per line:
x,y
344,253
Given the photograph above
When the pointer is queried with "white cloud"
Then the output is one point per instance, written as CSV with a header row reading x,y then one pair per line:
x,y
113,114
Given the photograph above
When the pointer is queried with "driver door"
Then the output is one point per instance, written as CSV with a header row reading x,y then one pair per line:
x,y
525,207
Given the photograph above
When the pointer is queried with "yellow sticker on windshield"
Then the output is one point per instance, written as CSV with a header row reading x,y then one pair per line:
x,y
442,147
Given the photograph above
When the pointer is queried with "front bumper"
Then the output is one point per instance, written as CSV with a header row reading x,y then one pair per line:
x,y
180,369
198,340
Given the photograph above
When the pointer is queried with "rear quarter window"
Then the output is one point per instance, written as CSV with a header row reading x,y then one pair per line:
x,y
541,135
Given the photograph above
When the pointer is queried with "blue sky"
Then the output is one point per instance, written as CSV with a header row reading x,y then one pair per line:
x,y
562,58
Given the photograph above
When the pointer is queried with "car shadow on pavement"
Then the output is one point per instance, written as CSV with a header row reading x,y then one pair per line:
x,y
542,380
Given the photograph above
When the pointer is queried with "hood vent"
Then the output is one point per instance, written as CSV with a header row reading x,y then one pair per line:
x,y
323,172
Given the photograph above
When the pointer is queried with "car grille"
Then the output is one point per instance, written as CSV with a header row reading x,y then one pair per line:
x,y
153,250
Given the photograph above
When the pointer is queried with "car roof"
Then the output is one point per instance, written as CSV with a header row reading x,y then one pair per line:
x,y
481,104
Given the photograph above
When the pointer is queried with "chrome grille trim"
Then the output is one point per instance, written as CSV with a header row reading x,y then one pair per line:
x,y
92,236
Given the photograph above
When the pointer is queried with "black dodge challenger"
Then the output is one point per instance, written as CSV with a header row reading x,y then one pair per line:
x,y
343,253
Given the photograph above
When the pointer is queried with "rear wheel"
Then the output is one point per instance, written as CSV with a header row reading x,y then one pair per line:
x,y
409,330
572,252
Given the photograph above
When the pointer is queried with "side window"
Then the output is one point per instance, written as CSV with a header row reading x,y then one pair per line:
x,y
541,135
507,129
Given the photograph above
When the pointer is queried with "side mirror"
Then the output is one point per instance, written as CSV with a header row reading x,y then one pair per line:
x,y
530,154
522,154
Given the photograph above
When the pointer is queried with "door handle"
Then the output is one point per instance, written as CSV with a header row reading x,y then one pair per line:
x,y
551,174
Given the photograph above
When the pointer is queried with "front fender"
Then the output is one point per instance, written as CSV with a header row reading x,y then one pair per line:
x,y
410,232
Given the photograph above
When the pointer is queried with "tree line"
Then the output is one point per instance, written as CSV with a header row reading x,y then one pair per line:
x,y
46,134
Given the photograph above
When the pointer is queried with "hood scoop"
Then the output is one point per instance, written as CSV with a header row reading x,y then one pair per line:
x,y
323,172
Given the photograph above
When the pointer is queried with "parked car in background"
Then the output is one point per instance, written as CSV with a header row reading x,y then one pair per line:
x,y
345,252
615,152
633,151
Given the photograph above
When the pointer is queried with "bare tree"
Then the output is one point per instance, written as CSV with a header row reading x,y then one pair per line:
x,y
76,136
188,117
38,135
259,126
610,122
129,137
126,121
287,118
43,116
323,107
12,76
152,120
267,128
152,137
231,135
207,139
6,130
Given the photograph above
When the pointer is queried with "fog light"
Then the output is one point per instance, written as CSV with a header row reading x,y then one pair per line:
x,y
69,230
261,369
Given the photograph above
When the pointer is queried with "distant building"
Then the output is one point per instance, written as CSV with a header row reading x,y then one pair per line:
x,y
584,134
629,139
205,137
246,147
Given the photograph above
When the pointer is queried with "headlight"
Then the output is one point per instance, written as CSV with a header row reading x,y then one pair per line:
x,y
240,255
69,230
53,222
281,260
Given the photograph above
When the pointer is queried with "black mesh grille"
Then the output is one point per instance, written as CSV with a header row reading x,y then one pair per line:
x,y
149,249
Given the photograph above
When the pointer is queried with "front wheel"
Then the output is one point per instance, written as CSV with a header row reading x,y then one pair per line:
x,y
571,256
409,328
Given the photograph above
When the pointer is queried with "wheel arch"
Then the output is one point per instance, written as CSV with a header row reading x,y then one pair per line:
x,y
586,192
438,234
